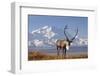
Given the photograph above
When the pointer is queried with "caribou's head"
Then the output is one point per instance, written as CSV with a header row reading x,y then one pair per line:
x,y
69,41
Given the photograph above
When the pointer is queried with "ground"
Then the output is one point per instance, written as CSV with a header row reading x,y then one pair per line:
x,y
45,56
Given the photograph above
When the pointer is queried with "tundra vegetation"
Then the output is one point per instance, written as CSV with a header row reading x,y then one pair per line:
x,y
43,56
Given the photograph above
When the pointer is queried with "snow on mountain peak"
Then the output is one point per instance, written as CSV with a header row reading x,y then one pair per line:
x,y
46,31
45,27
36,31
38,42
46,37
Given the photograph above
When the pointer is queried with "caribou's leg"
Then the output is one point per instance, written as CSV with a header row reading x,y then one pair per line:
x,y
65,53
57,51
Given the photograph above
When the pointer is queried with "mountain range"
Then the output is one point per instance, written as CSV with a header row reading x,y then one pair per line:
x,y
47,36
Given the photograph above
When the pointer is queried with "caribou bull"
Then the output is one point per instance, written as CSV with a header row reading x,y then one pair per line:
x,y
64,44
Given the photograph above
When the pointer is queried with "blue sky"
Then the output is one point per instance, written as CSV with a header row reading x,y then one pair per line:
x,y
38,21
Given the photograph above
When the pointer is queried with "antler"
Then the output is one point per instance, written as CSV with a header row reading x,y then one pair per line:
x,y
66,27
75,35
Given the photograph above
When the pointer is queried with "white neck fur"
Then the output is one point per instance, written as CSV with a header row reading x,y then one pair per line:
x,y
67,47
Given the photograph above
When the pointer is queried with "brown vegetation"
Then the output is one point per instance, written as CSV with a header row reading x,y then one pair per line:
x,y
42,56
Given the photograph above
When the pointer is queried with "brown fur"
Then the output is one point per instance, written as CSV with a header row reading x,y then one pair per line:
x,y
61,45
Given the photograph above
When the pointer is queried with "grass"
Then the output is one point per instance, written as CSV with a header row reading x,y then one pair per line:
x,y
43,56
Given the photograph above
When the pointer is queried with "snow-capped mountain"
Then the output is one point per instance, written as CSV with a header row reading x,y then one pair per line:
x,y
42,43
47,36
80,42
46,31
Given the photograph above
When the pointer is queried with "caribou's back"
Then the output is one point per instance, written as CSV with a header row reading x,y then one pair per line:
x,y
61,43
